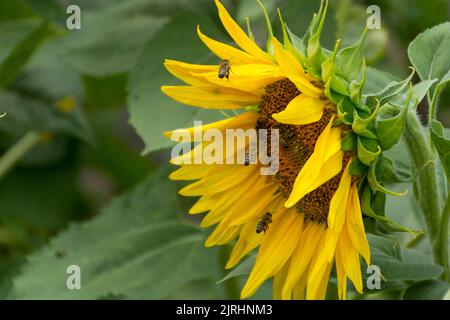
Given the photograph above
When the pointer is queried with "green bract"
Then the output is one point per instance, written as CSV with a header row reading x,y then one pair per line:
x,y
377,119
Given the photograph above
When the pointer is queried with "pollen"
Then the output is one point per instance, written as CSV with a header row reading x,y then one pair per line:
x,y
296,145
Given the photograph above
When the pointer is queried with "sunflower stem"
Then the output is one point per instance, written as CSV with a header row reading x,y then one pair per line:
x,y
426,185
17,151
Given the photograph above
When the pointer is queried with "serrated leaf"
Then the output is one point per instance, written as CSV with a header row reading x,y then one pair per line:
x,y
135,248
151,112
428,290
429,55
442,144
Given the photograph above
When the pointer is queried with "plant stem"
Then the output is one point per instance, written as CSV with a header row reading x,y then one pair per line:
x,y
17,151
427,192
443,239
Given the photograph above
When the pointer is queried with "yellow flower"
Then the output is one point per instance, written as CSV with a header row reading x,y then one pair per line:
x,y
313,198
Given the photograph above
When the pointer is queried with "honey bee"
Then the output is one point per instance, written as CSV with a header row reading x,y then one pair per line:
x,y
224,69
250,154
263,224
247,159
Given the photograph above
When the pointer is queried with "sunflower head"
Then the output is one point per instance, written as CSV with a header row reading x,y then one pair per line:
x,y
330,137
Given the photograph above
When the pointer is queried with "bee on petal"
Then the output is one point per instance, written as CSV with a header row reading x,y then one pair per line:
x,y
263,224
224,69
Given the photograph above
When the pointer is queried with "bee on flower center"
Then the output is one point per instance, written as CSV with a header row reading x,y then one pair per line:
x,y
263,224
224,69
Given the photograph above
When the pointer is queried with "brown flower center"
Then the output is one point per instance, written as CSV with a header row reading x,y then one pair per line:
x,y
296,145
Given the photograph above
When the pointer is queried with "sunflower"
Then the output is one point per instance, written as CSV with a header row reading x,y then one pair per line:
x,y
305,93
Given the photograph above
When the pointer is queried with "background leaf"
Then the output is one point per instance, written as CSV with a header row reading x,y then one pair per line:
x,y
428,290
136,248
151,112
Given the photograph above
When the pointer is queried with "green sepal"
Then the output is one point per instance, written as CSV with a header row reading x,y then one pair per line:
x,y
357,168
270,48
329,66
334,96
348,143
299,48
249,29
391,123
355,89
339,84
376,185
315,55
350,60
393,89
345,111
368,150
442,144
375,202
363,126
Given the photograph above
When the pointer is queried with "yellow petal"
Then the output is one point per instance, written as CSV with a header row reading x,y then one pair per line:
x,y
217,98
278,281
227,200
301,110
189,73
239,36
341,276
227,52
222,234
244,120
305,86
219,178
336,214
350,260
286,60
321,166
317,287
302,256
355,225
189,172
276,248
252,78
248,240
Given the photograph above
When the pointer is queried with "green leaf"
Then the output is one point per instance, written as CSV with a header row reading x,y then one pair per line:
x,y
442,145
136,248
114,35
429,55
14,10
428,290
397,263
19,40
27,114
151,112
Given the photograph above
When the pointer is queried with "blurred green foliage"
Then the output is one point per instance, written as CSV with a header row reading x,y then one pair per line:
x,y
94,96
